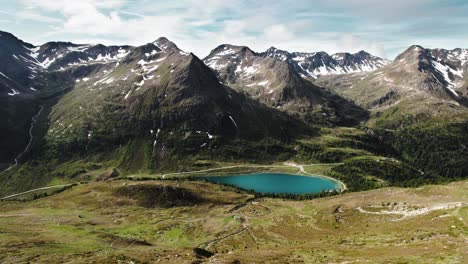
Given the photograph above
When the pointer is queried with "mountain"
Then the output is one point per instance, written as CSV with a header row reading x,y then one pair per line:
x,y
277,83
75,108
418,74
21,78
20,71
316,64
159,94
33,76
143,106
418,105
58,56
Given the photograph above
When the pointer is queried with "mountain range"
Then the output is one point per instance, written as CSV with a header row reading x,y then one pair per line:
x,y
429,82
156,107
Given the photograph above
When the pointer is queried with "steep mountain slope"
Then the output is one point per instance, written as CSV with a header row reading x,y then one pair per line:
x,y
316,64
20,71
276,83
21,79
158,93
32,77
153,107
418,105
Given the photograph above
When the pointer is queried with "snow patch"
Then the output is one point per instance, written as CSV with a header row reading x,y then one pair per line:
x,y
108,81
1,73
128,94
47,62
250,70
140,83
151,53
232,119
226,51
445,70
13,92
152,69
161,59
264,83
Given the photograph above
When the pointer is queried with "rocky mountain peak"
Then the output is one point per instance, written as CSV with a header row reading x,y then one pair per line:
x,y
229,49
6,36
412,52
165,44
444,69
272,49
363,53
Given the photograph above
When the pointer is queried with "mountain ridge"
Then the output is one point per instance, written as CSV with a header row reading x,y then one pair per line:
x,y
277,83
436,73
156,85
314,64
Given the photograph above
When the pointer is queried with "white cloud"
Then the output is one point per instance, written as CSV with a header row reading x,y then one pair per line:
x,y
72,6
278,33
34,16
352,43
328,25
185,22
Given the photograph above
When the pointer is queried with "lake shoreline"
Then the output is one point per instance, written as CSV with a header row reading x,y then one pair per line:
x,y
339,187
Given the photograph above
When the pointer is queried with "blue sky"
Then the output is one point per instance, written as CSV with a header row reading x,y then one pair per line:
x,y
381,27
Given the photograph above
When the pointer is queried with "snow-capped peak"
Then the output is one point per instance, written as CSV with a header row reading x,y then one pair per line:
x,y
317,64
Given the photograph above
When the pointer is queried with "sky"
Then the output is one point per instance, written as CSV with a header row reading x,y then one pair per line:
x,y
382,27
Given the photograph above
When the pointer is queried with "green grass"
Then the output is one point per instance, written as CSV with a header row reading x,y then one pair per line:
x,y
174,233
57,181
81,223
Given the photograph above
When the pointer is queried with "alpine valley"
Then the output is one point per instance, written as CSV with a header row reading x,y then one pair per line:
x,y
100,145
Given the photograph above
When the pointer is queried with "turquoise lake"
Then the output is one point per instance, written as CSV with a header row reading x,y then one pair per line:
x,y
276,182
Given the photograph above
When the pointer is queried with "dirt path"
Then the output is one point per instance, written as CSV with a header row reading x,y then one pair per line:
x,y
211,242
33,190
300,167
286,165
223,168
